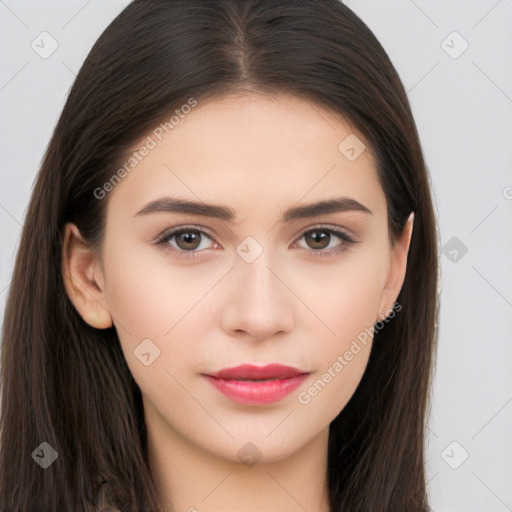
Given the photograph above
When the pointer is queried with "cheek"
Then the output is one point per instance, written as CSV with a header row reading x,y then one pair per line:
x,y
331,387
153,299
348,304
149,294
346,295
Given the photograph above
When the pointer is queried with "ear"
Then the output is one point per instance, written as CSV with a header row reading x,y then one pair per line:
x,y
83,279
397,269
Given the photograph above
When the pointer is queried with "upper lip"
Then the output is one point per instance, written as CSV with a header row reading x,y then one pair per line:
x,y
251,371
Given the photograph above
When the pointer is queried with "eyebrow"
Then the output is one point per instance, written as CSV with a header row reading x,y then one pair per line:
x,y
225,213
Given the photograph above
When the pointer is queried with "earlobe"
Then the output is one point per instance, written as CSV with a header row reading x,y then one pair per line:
x,y
83,279
398,267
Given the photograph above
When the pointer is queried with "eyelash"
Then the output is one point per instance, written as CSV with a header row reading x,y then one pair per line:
x,y
165,237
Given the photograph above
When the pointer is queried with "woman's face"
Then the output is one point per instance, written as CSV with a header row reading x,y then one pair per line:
x,y
262,285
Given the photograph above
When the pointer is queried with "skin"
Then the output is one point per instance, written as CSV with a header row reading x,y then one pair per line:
x,y
258,155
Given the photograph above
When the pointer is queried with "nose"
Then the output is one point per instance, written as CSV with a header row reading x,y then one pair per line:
x,y
260,303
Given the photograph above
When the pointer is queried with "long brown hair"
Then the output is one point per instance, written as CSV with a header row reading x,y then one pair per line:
x,y
68,384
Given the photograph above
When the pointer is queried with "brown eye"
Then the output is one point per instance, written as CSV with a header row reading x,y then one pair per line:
x,y
318,239
185,241
188,240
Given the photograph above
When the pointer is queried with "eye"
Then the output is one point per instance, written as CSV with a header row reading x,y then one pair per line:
x,y
187,240
321,237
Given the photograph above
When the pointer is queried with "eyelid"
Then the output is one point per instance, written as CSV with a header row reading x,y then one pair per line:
x,y
330,227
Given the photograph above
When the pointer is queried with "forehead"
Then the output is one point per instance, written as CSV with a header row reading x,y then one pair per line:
x,y
248,150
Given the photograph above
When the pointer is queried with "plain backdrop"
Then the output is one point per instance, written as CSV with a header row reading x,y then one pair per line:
x,y
455,60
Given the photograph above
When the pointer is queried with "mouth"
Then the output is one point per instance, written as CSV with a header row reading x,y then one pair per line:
x,y
251,372
256,380
257,385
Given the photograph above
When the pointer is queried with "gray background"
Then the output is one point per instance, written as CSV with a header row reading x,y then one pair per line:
x,y
462,102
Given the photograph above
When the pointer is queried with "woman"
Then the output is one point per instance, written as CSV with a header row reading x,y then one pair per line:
x,y
225,293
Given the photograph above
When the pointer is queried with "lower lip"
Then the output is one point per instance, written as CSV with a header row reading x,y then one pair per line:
x,y
256,392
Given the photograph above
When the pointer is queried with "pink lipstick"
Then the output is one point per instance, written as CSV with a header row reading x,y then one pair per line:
x,y
257,385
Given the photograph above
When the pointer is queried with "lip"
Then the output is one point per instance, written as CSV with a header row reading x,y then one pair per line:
x,y
272,382
252,371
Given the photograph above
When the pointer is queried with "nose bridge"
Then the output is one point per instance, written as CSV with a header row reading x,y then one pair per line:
x,y
258,277
260,303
